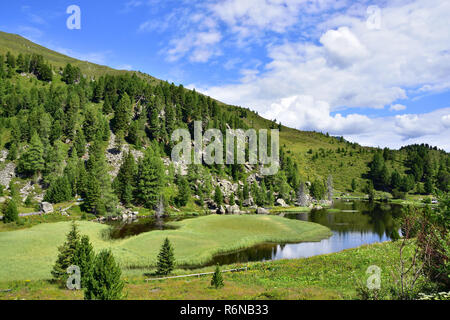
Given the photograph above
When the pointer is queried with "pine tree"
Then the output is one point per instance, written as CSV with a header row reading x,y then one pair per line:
x,y
124,182
166,258
84,258
11,213
59,191
66,254
217,279
184,192
150,179
92,195
32,161
122,114
354,185
104,282
218,196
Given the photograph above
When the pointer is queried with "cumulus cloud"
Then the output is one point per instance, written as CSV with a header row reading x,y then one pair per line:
x,y
304,112
397,107
322,58
343,47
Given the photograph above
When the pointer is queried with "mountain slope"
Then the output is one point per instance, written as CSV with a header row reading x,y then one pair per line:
x,y
317,155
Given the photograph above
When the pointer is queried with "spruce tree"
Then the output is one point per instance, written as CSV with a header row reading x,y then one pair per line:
x,y
166,258
60,191
354,185
151,178
218,196
184,192
32,161
124,184
66,254
122,114
84,258
11,213
217,279
104,282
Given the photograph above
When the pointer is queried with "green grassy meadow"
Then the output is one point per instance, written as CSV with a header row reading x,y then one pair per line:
x,y
30,253
331,277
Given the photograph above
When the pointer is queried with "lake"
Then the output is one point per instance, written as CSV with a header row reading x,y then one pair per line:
x,y
358,223
353,223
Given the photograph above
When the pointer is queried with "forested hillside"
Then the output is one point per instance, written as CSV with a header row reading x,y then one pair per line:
x,y
71,129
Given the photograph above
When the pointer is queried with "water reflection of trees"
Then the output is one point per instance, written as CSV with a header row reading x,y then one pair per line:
x,y
357,216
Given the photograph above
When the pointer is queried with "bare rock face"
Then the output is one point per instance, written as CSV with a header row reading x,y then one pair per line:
x,y
115,156
221,210
226,187
3,155
233,209
7,174
262,211
46,207
281,203
248,202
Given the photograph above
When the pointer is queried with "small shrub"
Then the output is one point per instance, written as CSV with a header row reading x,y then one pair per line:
x,y
217,279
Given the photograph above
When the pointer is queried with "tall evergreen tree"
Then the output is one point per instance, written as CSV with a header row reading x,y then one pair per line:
x,y
105,282
32,161
124,184
166,258
66,254
84,258
184,192
150,179
122,114
218,196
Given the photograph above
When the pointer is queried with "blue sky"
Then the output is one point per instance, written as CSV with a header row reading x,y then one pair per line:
x,y
376,72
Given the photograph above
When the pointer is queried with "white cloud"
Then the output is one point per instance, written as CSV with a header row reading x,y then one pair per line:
x,y
397,107
200,46
305,113
353,66
343,47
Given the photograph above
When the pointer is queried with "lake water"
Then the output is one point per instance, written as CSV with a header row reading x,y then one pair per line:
x,y
357,224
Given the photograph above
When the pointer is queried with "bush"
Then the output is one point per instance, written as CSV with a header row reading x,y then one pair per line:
x,y
397,194
11,212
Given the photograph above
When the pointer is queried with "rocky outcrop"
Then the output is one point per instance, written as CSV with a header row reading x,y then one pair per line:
x,y
46,207
114,156
281,203
248,202
233,209
226,186
262,211
7,174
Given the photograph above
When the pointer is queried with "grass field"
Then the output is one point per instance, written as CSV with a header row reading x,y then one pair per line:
x,y
333,276
30,253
